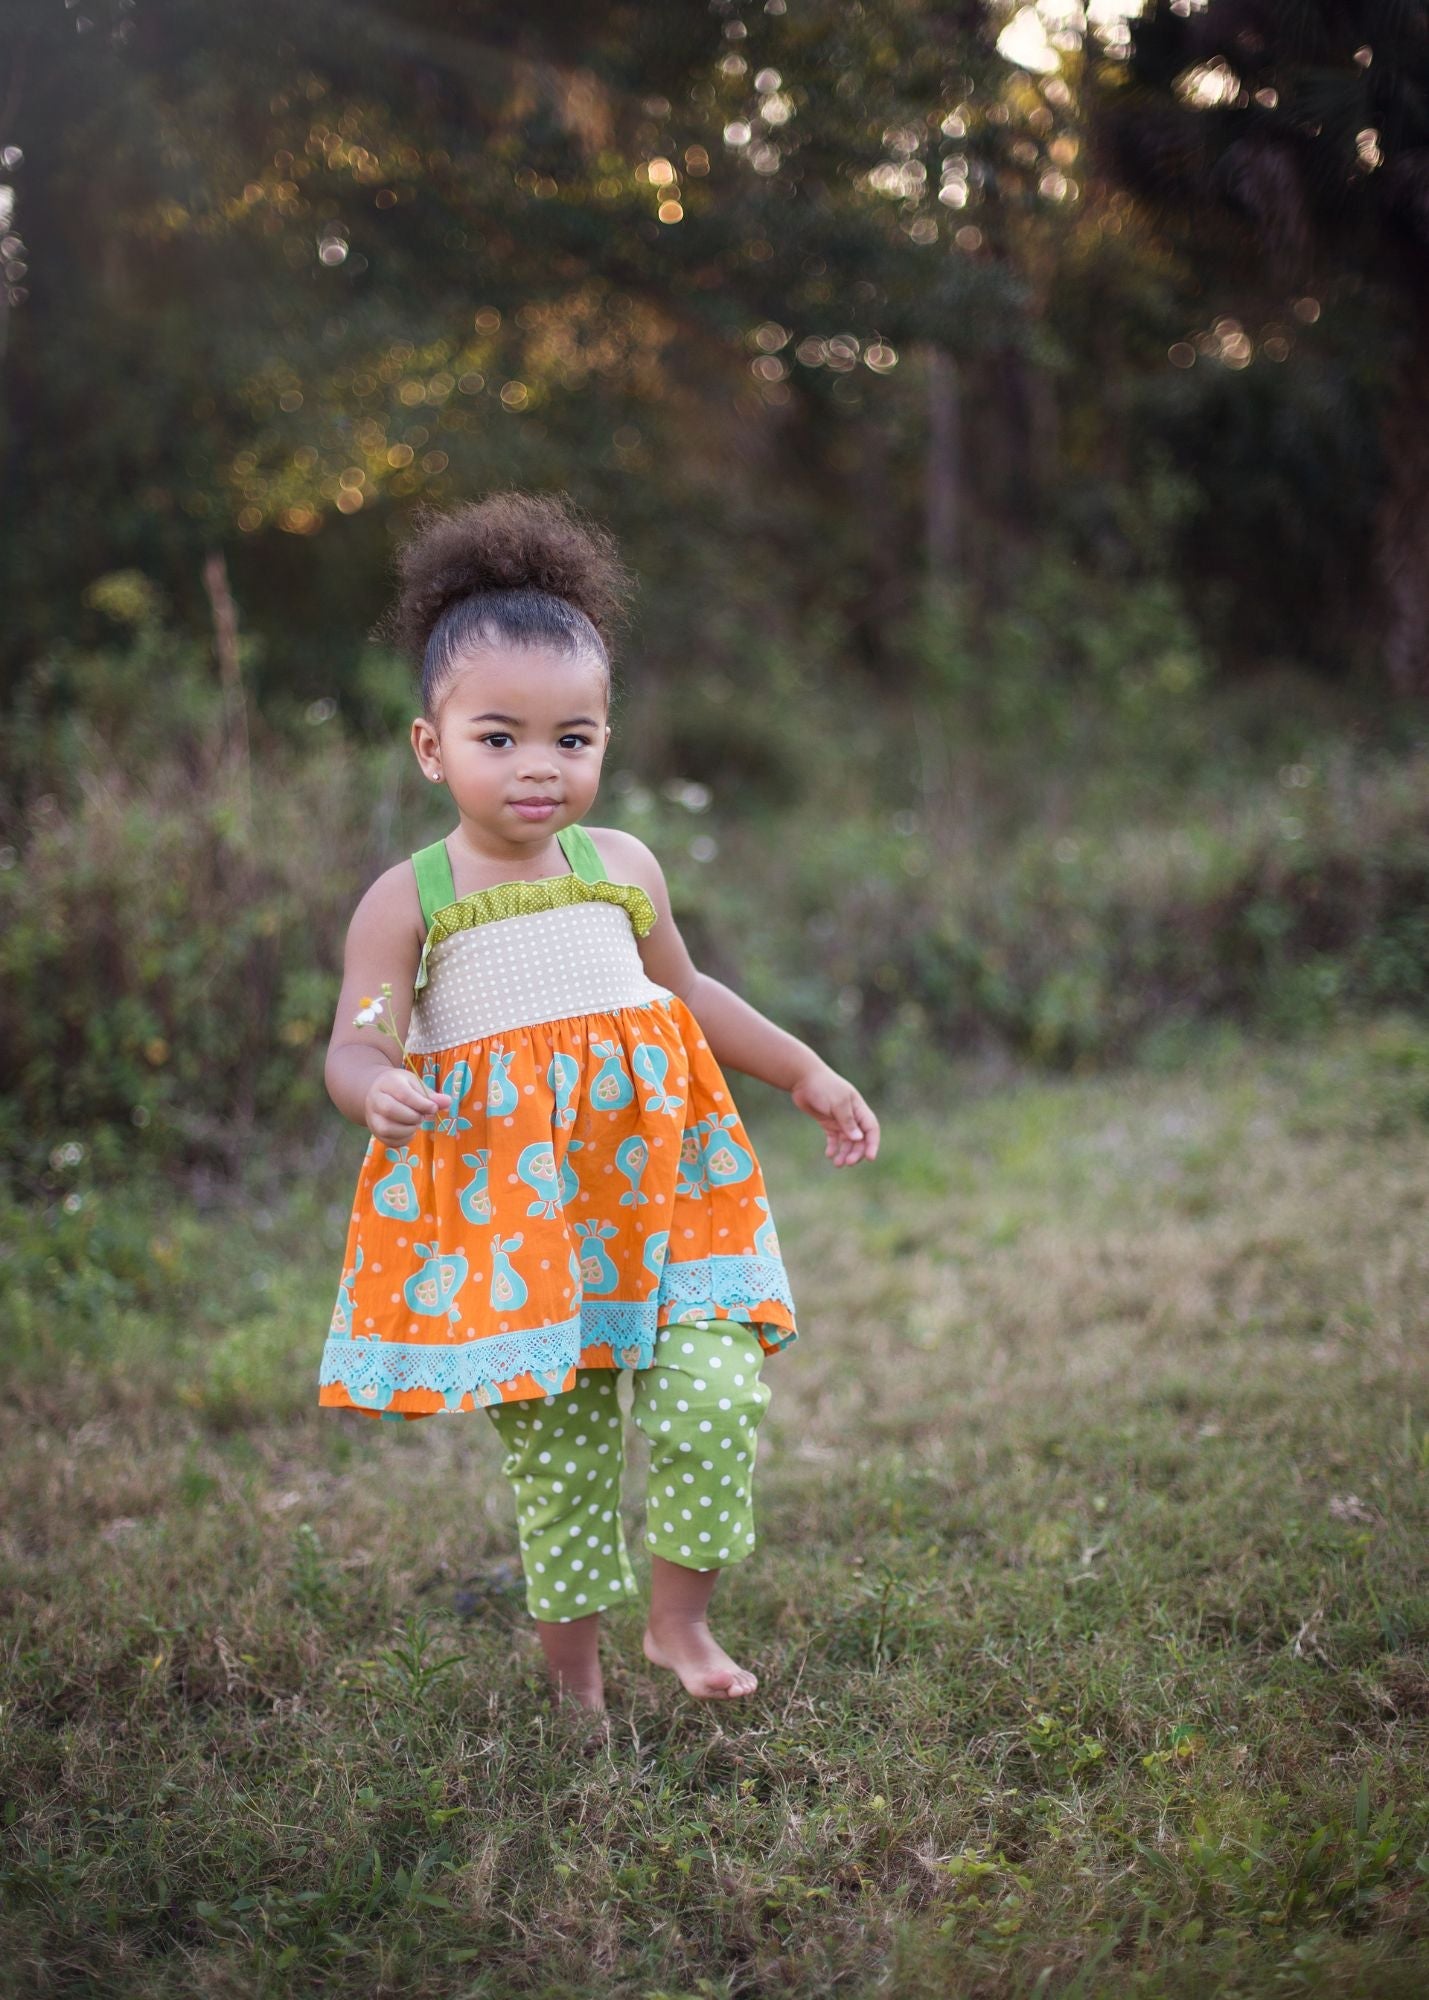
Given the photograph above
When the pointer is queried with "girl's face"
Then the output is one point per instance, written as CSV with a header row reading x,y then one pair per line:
x,y
518,726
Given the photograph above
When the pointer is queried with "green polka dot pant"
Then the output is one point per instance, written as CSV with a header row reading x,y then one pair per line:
x,y
699,1406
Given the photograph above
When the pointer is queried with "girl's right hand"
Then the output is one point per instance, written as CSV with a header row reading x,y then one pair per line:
x,y
397,1102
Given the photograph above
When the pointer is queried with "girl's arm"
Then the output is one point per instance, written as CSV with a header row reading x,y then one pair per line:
x,y
365,1074
739,1036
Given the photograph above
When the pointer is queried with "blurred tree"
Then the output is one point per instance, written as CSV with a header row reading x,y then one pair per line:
x,y
340,257
1285,145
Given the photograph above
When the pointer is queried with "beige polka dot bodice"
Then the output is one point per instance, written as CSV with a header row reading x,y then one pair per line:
x,y
526,952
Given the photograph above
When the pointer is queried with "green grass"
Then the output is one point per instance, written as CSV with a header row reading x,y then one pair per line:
x,y
1090,1608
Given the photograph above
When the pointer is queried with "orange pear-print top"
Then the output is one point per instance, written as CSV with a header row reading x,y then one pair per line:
x,y
589,1182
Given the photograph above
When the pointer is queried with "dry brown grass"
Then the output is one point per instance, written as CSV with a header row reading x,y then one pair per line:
x,y
1089,1609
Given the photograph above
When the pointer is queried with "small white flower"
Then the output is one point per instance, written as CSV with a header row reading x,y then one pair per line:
x,y
372,1012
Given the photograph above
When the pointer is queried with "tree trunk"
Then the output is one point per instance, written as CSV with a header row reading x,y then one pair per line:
x,y
943,468
872,504
230,672
1402,527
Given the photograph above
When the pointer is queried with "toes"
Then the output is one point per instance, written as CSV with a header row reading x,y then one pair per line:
x,y
736,1682
711,1683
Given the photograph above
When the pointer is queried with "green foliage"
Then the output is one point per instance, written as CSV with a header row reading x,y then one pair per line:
x,y
171,916
406,1670
1063,843
333,274
331,277
1085,664
1267,152
309,1572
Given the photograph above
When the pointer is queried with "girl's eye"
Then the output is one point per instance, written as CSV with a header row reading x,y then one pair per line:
x,y
505,735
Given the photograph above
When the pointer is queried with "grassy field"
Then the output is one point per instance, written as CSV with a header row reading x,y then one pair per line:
x,y
1090,1609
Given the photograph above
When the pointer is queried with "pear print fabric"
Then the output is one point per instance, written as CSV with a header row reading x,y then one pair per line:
x,y
589,1182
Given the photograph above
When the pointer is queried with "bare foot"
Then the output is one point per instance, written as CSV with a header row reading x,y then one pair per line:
x,y
705,1668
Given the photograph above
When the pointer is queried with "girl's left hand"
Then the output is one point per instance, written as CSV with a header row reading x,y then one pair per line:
x,y
832,1099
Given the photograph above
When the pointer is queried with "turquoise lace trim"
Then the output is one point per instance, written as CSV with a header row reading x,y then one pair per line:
x,y
734,1282
519,899
372,1371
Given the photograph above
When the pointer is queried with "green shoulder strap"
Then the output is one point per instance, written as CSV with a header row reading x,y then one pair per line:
x,y
580,850
435,886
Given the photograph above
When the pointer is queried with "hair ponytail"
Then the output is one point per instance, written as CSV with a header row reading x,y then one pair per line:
x,y
514,569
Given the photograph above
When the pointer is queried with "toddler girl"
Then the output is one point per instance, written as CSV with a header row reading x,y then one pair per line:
x,y
566,1188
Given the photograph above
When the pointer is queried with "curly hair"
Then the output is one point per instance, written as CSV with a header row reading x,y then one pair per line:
x,y
514,569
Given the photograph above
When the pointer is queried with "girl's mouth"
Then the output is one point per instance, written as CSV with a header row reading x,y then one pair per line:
x,y
534,808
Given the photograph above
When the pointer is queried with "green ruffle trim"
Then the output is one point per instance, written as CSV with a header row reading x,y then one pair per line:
x,y
519,899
